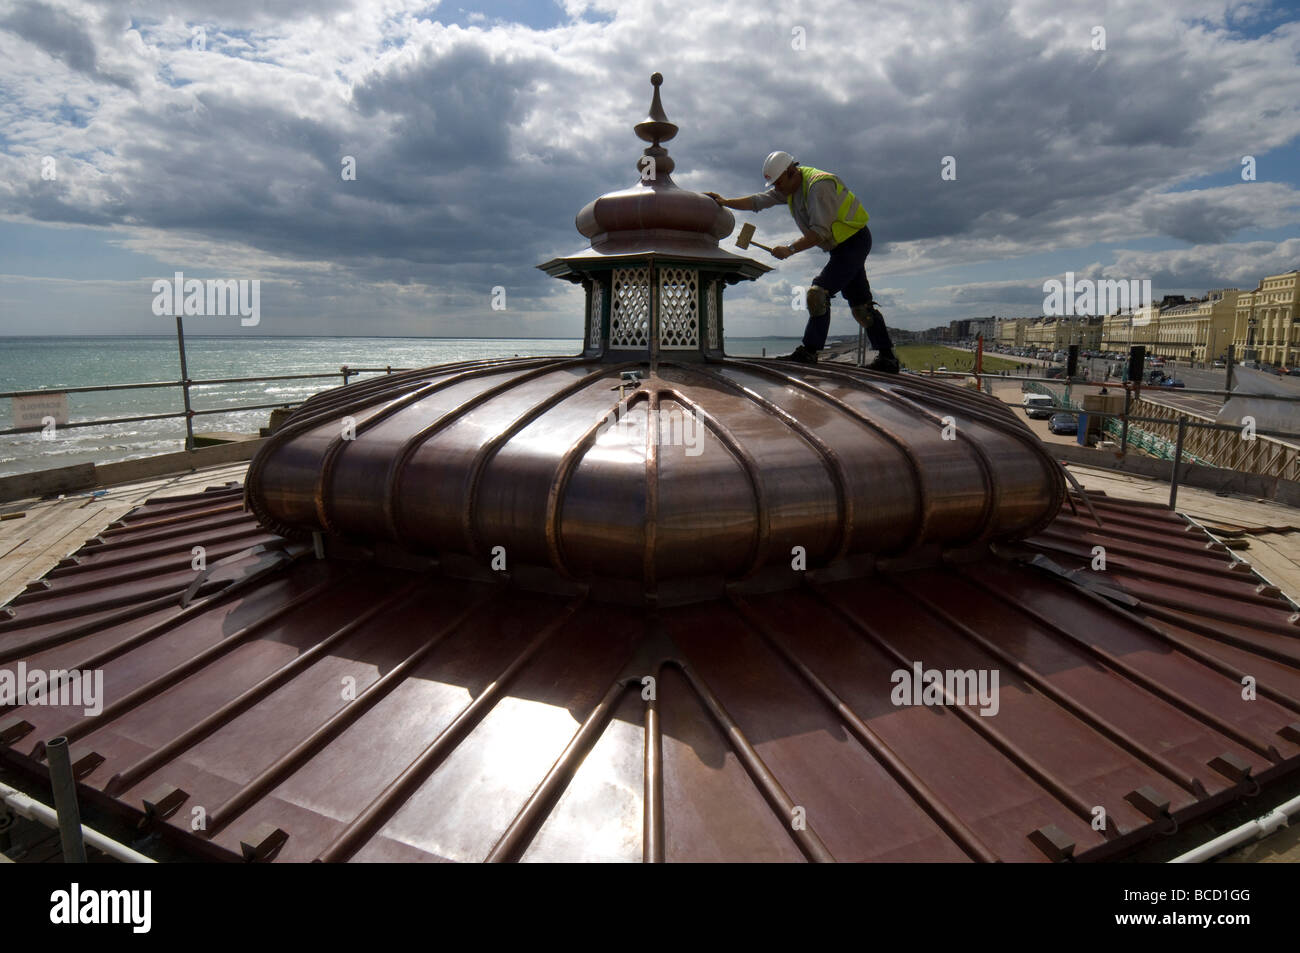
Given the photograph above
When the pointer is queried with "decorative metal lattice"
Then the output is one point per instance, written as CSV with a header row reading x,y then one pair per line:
x,y
679,309
597,303
629,310
711,313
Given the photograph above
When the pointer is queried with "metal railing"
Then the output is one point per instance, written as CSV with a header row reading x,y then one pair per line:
x,y
1150,443
185,384
1271,457
1118,424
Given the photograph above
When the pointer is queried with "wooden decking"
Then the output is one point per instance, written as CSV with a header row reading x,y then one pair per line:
x,y
35,535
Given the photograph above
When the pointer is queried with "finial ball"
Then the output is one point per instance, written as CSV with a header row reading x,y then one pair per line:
x,y
656,79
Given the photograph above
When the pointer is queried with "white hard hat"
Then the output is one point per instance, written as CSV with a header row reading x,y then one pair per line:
x,y
775,164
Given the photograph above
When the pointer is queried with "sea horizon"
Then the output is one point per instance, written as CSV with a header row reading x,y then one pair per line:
x,y
58,362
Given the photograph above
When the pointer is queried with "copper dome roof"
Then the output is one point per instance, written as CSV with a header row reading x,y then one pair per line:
x,y
551,459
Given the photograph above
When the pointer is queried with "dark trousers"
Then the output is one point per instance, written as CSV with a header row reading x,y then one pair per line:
x,y
846,272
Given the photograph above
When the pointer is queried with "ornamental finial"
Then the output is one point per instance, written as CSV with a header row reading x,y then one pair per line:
x,y
656,128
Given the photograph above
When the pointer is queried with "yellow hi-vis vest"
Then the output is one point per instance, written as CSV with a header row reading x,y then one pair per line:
x,y
849,217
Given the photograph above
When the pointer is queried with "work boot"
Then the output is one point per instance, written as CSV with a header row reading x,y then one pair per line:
x,y
886,364
800,354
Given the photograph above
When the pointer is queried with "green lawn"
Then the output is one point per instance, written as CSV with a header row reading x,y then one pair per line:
x,y
919,357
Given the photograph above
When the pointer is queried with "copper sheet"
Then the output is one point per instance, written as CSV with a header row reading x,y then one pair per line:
x,y
524,454
490,722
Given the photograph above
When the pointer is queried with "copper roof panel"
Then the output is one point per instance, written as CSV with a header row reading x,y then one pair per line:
x,y
373,712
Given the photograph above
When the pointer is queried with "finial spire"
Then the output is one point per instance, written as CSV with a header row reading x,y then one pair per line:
x,y
654,129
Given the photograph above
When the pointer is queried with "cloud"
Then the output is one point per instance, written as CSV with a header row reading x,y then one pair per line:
x,y
1183,270
1240,264
476,145
60,35
996,292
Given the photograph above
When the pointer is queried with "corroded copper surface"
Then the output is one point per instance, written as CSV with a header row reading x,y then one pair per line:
x,y
347,710
722,468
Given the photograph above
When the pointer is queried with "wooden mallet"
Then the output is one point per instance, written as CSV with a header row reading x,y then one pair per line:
x,y
746,236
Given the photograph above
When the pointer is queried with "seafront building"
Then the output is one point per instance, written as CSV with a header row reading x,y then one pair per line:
x,y
967,329
1051,333
1010,332
1260,324
1055,333
1265,327
1199,329
1121,331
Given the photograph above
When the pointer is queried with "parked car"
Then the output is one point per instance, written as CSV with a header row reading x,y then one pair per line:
x,y
1220,364
1063,423
1172,382
1294,372
1157,376
1039,406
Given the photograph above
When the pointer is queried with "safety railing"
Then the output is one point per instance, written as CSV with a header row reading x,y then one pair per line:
x,y
185,385
1149,442
1236,447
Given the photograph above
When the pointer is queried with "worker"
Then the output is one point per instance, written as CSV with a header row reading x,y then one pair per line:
x,y
831,218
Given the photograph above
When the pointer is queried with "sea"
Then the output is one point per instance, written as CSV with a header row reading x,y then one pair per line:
x,y
54,363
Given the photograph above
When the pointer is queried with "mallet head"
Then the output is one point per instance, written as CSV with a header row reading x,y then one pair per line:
x,y
746,233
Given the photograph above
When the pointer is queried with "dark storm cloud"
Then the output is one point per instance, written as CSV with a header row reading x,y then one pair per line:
x,y
62,37
1198,221
1008,292
453,110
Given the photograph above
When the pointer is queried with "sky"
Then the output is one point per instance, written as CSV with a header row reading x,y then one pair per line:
x,y
1107,139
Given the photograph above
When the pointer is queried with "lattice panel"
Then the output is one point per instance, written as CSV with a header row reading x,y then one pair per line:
x,y
597,304
711,314
629,310
679,308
